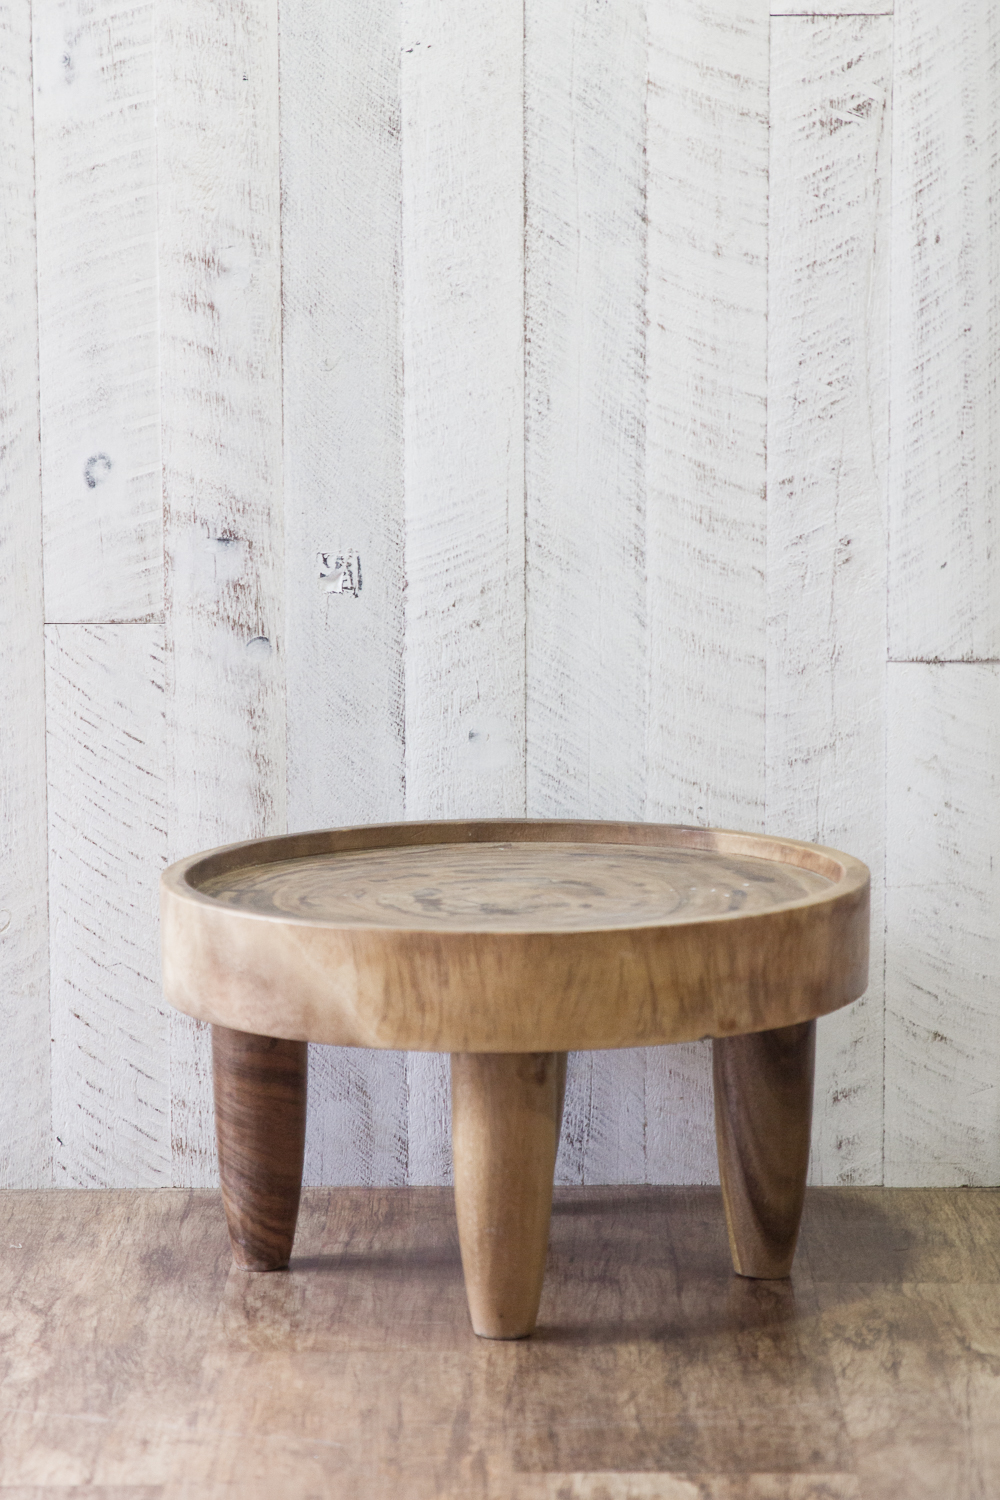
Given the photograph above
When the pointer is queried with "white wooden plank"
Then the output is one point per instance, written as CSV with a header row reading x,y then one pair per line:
x,y
942,1092
680,1114
463,298
343,480
220,311
833,8
706,365
828,421
96,177
107,846
944,600
463,418
25,1099
585,71
706,362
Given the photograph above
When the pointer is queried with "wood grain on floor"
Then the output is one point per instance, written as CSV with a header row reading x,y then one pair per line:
x,y
137,1364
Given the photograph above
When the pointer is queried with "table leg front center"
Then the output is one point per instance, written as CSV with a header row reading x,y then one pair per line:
x,y
506,1110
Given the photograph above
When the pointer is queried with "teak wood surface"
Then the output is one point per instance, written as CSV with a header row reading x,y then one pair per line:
x,y
508,944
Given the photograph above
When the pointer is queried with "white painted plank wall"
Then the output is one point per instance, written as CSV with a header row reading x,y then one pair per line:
x,y
220,332
341,183
828,428
96,186
944,600
107,846
832,8
942,1092
463,426
706,368
25,1100
942,1104
486,182
584,156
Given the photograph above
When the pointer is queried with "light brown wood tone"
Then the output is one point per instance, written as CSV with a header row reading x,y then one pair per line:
x,y
506,1110
763,1113
260,1123
514,887
470,988
140,1365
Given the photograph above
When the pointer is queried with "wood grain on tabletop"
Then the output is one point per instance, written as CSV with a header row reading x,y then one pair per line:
x,y
95,174
654,1370
220,324
25,1110
469,985
828,428
110,1026
518,887
585,393
463,428
343,494
944,592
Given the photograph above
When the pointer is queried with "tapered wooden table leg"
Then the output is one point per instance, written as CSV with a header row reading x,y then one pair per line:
x,y
505,1115
763,1114
260,1124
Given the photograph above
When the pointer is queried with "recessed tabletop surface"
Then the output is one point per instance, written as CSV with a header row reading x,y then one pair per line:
x,y
514,887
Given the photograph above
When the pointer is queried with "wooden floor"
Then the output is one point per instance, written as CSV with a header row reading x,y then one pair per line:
x,y
135,1363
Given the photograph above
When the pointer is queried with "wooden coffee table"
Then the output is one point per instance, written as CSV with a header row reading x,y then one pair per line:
x,y
508,944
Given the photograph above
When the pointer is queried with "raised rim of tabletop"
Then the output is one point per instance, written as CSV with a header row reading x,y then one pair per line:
x,y
848,876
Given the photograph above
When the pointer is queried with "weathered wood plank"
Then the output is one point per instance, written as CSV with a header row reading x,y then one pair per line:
x,y
706,361
96,186
343,481
585,589
220,312
944,600
942,1121
107,846
706,367
463,422
25,1100
831,8
828,422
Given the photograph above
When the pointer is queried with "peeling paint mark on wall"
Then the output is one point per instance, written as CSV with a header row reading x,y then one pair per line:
x,y
96,469
344,575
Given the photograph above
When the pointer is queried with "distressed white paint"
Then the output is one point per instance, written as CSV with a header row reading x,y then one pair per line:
x,y
219,236
463,425
524,345
107,846
585,591
343,486
706,365
25,1134
828,426
463,344
706,369
833,8
944,600
942,1087
95,160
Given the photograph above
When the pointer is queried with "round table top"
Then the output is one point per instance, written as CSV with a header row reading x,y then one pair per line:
x,y
514,935
513,887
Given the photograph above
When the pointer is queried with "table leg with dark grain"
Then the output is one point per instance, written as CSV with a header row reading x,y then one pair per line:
x,y
506,1110
260,1124
763,1116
